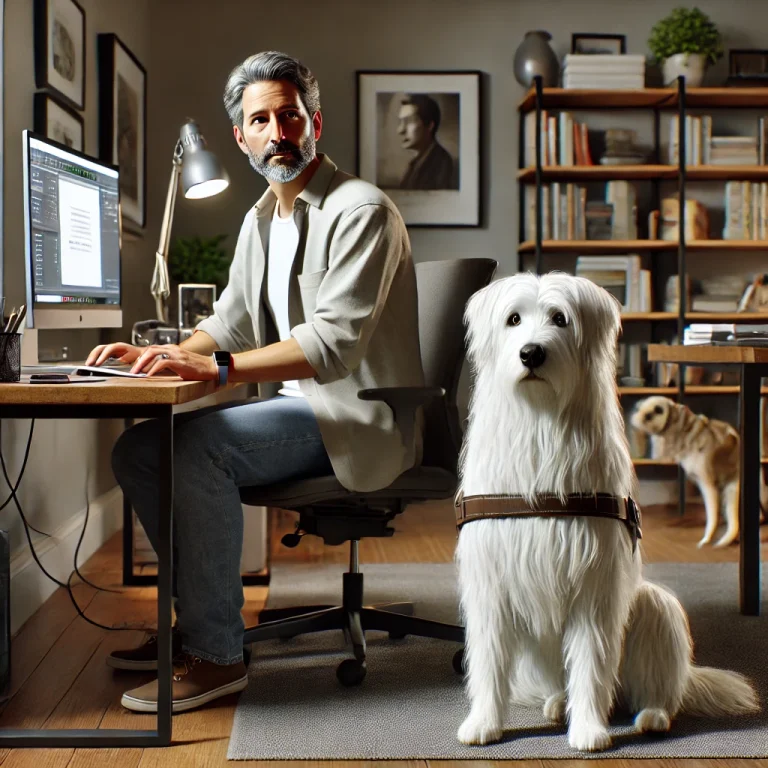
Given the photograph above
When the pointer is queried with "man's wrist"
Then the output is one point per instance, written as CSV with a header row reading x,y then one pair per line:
x,y
222,360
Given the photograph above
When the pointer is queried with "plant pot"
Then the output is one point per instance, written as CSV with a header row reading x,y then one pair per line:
x,y
534,57
690,65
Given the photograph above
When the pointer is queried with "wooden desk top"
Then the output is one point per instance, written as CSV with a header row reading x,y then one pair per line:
x,y
705,353
116,390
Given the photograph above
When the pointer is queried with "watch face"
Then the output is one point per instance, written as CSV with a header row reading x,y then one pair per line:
x,y
221,357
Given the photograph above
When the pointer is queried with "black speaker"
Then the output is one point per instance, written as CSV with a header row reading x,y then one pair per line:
x,y
5,616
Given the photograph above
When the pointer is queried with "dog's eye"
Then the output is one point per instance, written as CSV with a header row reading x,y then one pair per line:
x,y
559,320
658,409
514,319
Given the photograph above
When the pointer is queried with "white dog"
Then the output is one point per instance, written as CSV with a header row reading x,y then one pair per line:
x,y
556,611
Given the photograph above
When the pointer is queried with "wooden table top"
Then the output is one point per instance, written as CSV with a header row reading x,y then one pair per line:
x,y
705,353
116,390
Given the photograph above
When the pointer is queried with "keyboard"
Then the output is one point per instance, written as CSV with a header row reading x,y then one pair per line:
x,y
121,369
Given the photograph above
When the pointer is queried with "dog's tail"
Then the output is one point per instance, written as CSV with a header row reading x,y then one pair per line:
x,y
714,692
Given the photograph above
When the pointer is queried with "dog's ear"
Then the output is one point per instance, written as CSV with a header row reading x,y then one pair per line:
x,y
477,318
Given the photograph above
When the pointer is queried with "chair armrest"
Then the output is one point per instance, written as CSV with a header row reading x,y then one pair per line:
x,y
402,397
404,402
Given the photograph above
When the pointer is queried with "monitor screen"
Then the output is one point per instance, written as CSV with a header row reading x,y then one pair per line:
x,y
72,237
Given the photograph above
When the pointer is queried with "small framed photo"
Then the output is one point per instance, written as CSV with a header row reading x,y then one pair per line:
x,y
123,123
748,64
196,302
58,122
587,44
418,139
60,50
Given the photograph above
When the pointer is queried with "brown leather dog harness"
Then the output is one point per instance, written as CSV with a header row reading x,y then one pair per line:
x,y
483,507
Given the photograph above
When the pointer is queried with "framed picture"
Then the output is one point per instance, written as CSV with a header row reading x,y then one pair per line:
x,y
58,122
747,64
60,50
196,302
602,44
418,139
123,123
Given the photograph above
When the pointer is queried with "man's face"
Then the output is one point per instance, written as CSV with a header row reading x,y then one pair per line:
x,y
413,133
278,134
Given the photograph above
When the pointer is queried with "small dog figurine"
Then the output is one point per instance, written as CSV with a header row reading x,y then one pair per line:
x,y
556,610
708,451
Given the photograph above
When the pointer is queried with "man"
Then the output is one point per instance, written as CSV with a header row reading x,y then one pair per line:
x,y
432,167
321,297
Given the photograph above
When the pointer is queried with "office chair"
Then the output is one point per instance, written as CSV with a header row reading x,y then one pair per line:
x,y
328,510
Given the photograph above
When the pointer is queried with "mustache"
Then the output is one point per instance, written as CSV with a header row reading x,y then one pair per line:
x,y
282,146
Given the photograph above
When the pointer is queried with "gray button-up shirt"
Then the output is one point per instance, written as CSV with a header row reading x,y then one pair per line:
x,y
352,308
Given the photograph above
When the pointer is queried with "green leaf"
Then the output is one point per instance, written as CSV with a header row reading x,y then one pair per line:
x,y
199,260
686,30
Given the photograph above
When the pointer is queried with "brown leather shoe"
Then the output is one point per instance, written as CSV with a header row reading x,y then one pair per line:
x,y
144,657
195,682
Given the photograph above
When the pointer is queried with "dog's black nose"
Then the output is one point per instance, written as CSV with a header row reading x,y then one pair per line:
x,y
532,356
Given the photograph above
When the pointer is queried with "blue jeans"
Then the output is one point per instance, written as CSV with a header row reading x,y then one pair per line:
x,y
216,450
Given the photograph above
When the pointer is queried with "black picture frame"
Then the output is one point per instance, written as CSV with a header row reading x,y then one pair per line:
x,y
440,186
57,121
578,37
123,122
747,64
58,69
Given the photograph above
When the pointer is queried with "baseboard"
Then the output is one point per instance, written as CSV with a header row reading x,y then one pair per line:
x,y
30,587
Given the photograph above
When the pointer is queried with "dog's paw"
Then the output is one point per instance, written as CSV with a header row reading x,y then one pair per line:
x,y
726,540
703,542
652,720
478,732
554,708
589,738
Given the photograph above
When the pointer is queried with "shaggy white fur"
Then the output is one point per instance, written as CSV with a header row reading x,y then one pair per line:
x,y
556,611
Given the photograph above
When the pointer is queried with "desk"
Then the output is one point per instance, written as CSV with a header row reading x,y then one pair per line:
x,y
116,398
752,363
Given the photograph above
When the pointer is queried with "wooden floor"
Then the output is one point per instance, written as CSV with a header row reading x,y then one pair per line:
x,y
60,679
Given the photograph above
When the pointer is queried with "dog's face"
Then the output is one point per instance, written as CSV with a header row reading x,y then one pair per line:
x,y
540,338
652,414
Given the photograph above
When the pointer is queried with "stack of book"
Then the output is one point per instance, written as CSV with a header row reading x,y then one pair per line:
x,y
702,148
746,210
733,333
733,150
621,276
604,71
564,141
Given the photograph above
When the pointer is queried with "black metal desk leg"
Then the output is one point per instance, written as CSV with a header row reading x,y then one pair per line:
x,y
165,569
749,496
127,531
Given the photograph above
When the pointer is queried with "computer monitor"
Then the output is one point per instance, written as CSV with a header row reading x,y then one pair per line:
x,y
72,237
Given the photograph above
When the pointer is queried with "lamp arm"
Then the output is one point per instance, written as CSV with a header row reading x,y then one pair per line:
x,y
160,281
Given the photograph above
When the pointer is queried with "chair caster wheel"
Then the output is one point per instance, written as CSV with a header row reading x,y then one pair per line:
x,y
247,653
351,672
458,662
396,635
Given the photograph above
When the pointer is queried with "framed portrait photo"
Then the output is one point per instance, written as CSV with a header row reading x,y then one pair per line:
x,y
57,121
60,50
123,123
418,140
586,43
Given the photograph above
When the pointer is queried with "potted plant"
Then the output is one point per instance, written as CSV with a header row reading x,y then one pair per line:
x,y
684,43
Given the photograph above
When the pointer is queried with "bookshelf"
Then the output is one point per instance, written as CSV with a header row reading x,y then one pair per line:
x,y
656,100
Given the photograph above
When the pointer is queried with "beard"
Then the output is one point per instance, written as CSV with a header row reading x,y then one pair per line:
x,y
287,167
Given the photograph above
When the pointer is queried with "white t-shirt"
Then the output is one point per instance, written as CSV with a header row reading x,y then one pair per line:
x,y
283,242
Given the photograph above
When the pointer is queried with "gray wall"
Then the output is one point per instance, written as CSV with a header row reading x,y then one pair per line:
x,y
68,458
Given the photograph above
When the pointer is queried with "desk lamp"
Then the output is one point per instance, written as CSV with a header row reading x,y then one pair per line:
x,y
201,176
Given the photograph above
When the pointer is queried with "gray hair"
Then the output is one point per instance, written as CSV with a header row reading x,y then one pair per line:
x,y
263,67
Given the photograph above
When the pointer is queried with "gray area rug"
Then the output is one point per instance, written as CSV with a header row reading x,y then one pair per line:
x,y
411,703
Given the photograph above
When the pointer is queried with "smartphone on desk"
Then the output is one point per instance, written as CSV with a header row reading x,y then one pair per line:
x,y
49,378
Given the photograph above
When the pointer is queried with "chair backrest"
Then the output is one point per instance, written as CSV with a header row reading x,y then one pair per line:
x,y
444,287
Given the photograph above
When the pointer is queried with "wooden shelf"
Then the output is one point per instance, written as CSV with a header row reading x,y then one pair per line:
x,y
587,173
647,391
727,317
727,173
644,98
629,317
598,246
689,390
727,245
654,463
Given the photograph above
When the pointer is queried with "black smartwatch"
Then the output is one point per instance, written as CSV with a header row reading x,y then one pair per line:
x,y
222,358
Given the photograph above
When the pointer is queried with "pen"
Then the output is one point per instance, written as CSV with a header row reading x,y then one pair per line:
x,y
11,321
20,318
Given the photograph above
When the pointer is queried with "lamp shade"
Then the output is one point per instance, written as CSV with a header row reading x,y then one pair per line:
x,y
202,175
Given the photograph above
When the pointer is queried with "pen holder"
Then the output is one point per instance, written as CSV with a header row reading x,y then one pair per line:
x,y
10,357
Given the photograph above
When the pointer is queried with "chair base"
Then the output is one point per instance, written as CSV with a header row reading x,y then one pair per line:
x,y
355,620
